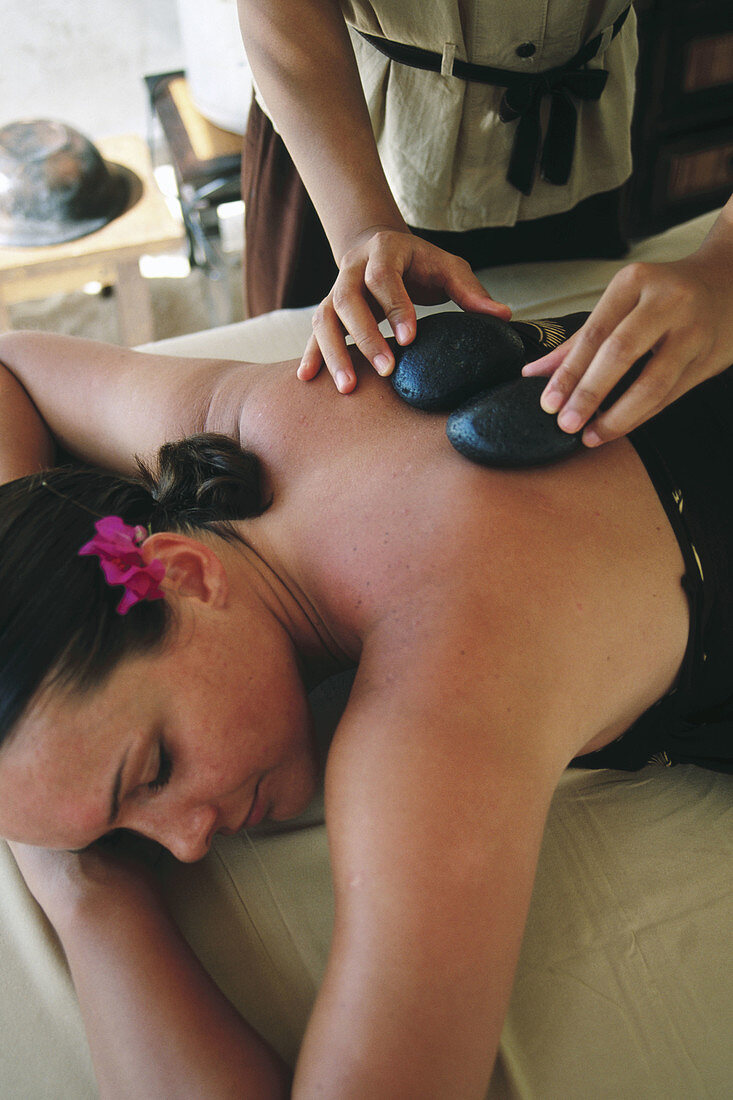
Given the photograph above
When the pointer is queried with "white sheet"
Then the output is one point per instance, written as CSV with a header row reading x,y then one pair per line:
x,y
532,291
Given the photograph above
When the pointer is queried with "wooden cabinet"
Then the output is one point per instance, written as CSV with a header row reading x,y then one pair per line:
x,y
683,121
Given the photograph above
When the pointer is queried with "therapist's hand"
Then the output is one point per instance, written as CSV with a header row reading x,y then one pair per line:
x,y
678,311
381,275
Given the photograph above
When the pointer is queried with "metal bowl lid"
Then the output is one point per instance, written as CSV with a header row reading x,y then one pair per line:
x,y
55,185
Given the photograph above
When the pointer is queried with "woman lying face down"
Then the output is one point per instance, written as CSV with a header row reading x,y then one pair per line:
x,y
179,719
502,624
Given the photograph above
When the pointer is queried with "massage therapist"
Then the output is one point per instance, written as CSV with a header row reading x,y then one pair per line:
x,y
419,142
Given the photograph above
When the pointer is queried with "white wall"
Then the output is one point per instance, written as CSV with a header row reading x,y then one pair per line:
x,y
82,61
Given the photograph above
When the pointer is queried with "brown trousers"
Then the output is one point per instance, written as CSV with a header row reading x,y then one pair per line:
x,y
288,261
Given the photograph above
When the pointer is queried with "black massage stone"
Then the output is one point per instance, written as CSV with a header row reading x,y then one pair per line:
x,y
454,356
507,427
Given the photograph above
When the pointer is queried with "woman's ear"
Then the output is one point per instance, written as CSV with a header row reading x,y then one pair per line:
x,y
192,569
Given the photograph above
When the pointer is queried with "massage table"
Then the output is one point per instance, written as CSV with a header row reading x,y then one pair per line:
x,y
624,989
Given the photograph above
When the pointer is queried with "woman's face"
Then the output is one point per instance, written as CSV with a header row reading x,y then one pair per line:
x,y
203,737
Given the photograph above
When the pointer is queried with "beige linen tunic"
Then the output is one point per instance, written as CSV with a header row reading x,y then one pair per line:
x,y
444,149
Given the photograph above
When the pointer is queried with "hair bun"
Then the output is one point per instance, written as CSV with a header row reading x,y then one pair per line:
x,y
204,479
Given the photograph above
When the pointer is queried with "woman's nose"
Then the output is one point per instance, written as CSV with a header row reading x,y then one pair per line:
x,y
188,837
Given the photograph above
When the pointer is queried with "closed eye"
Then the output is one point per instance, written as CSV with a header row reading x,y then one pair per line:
x,y
165,767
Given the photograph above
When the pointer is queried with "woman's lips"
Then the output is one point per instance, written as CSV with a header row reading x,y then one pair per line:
x,y
257,810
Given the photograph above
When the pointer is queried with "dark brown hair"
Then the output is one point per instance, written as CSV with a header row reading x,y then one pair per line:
x,y
58,617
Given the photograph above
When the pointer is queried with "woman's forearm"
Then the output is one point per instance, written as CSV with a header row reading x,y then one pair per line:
x,y
157,1024
25,442
304,65
105,404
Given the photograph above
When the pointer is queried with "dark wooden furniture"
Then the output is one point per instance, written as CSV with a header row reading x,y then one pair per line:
x,y
683,121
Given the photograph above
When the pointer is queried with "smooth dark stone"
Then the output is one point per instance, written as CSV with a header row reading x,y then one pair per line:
x,y
508,427
454,356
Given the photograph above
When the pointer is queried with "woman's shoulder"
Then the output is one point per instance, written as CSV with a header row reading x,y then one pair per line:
x,y
543,594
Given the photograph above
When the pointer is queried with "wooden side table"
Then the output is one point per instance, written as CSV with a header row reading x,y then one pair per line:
x,y
110,256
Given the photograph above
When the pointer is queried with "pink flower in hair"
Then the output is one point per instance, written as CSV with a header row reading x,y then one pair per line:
x,y
118,547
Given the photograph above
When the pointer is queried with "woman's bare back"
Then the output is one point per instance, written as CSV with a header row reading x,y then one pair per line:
x,y
502,623
565,578
401,545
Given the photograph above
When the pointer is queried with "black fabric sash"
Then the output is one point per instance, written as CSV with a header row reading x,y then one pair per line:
x,y
521,101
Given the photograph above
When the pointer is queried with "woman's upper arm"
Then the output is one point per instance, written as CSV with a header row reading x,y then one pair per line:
x,y
434,839
107,404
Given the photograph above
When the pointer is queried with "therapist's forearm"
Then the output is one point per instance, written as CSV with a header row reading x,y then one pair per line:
x,y
714,261
303,62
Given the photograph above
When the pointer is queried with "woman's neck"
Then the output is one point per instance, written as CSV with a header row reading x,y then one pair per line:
x,y
319,653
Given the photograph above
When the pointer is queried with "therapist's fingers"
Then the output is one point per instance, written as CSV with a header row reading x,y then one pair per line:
x,y
330,340
381,276
401,269
432,275
359,309
632,339
601,330
461,285
548,364
370,286
658,330
353,308
384,279
668,373
311,360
